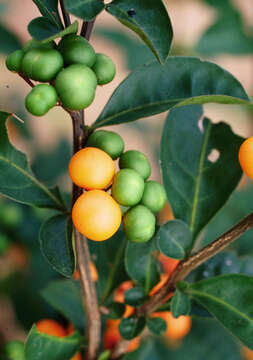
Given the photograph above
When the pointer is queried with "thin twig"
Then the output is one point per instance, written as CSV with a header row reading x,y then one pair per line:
x,y
27,80
65,14
87,29
184,269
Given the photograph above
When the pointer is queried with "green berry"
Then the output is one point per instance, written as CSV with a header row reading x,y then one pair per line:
x,y
127,187
154,196
104,69
137,161
108,141
14,60
41,99
15,350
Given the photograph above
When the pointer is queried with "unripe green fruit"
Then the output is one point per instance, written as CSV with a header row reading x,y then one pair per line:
x,y
11,215
77,50
137,161
14,60
41,99
34,44
108,141
42,64
127,187
139,224
104,69
15,350
154,196
76,86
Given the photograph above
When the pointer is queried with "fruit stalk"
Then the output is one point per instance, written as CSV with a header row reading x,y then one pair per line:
x,y
65,14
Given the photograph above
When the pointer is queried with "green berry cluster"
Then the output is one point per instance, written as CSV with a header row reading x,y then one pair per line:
x,y
131,187
72,69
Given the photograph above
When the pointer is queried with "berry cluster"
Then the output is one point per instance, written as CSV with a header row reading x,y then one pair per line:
x,y
96,214
72,69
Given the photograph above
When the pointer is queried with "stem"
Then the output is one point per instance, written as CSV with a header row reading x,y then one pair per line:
x,y
27,80
87,29
65,14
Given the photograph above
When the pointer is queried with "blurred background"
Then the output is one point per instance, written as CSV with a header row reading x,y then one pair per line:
x,y
218,30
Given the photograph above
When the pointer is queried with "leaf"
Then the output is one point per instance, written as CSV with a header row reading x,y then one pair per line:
x,y
155,88
174,239
157,325
229,299
85,9
16,179
135,296
180,304
43,347
196,187
71,29
142,265
65,296
131,327
9,41
140,16
44,30
49,10
116,310
56,244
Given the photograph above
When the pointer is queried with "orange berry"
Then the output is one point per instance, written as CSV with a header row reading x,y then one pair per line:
x,y
112,336
91,168
246,157
96,215
176,328
247,353
70,329
77,356
119,296
165,214
157,287
168,264
51,327
93,270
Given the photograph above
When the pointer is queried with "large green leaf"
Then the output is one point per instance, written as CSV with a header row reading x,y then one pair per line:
x,y
56,244
131,327
197,187
65,296
141,264
229,299
16,179
49,9
149,20
155,88
8,41
85,9
44,347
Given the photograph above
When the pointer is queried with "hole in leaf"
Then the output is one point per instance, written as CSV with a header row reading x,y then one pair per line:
x,y
214,155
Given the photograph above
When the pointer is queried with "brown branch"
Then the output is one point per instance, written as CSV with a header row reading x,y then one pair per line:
x,y
65,14
27,80
87,29
184,269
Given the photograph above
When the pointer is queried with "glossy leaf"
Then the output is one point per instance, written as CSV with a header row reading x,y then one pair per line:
x,y
116,310
65,296
174,239
135,296
16,179
131,327
141,264
56,244
42,29
49,10
71,29
157,325
43,347
85,9
140,16
9,41
229,299
155,88
196,186
180,304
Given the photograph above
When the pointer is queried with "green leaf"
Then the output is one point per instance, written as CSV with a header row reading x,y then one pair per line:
x,y
43,347
142,265
116,310
155,88
15,350
49,10
56,244
180,304
71,29
140,16
16,179
65,296
85,9
9,41
131,327
157,325
196,186
105,355
174,239
135,296
229,299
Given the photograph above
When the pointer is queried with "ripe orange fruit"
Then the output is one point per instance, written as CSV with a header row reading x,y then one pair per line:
x,y
157,287
119,296
51,327
91,168
247,353
112,336
168,264
93,270
96,215
176,328
246,157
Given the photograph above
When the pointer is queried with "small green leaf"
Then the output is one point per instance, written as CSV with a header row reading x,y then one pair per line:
x,y
135,296
131,327
49,9
9,41
174,239
180,304
154,88
105,355
116,310
229,299
157,325
85,9
15,350
71,29
16,179
142,265
44,347
56,244
140,16
65,296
